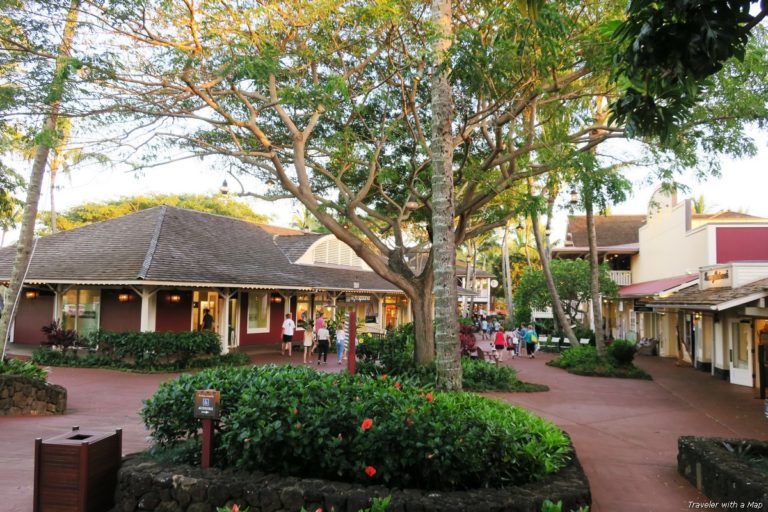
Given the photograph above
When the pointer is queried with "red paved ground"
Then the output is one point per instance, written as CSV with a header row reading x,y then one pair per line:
x,y
625,432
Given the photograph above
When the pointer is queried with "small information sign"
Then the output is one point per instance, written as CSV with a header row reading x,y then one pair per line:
x,y
207,404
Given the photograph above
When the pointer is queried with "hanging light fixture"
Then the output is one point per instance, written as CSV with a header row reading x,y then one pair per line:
x,y
31,294
124,297
519,226
574,197
270,183
174,297
224,189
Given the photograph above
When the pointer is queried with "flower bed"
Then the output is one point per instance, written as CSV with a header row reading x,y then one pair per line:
x,y
371,431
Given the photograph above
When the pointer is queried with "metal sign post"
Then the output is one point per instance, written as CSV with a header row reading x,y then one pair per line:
x,y
207,408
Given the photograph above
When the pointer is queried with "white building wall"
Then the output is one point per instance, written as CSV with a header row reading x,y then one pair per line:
x,y
666,249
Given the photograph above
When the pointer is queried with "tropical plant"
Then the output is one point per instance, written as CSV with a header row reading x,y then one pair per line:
x,y
295,421
22,368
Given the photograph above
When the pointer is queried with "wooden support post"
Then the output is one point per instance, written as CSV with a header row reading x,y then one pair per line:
x,y
207,457
351,357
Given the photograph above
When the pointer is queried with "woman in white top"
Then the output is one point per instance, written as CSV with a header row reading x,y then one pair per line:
x,y
341,341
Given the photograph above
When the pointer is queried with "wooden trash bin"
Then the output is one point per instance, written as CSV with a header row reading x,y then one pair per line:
x,y
77,471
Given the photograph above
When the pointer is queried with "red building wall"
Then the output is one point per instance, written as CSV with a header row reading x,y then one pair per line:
x,y
30,317
119,316
741,243
174,316
276,318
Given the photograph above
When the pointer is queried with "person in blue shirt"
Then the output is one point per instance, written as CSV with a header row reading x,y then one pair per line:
x,y
531,338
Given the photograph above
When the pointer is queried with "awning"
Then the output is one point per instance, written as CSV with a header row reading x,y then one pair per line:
x,y
658,286
715,299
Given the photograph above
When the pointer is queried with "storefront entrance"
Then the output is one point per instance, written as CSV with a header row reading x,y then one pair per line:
x,y
739,345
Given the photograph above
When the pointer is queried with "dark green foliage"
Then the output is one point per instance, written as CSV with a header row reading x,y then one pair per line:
x,y
667,51
146,351
585,361
622,352
23,368
58,336
299,422
393,356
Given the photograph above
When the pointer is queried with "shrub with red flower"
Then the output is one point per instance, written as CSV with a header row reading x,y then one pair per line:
x,y
367,423
429,397
370,471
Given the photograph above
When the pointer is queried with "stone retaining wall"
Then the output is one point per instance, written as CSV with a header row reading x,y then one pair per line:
x,y
21,395
149,486
723,476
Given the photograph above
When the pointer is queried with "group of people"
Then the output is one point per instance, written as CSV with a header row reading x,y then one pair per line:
x,y
316,339
512,341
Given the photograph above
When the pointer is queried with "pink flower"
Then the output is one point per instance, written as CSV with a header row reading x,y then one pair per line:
x,y
397,385
235,508
367,423
370,471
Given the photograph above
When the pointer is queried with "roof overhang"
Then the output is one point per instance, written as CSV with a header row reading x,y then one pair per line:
x,y
729,304
658,287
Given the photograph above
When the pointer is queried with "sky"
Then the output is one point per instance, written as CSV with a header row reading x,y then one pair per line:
x,y
743,186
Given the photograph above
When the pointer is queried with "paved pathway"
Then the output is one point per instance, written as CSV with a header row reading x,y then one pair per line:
x,y
625,432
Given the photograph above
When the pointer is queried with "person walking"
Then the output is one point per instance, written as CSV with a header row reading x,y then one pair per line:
x,y
499,345
309,338
484,328
341,341
531,338
288,327
322,344
207,321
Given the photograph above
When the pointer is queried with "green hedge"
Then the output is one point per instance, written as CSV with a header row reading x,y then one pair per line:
x,y
296,421
23,368
584,360
145,351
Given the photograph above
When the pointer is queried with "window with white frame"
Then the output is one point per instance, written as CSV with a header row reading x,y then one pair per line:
x,y
258,312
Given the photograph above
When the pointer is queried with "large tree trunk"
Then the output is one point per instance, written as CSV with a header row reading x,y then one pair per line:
x,y
447,356
48,136
557,306
424,332
594,281
506,271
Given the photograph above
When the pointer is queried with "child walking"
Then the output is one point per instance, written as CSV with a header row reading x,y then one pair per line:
x,y
341,339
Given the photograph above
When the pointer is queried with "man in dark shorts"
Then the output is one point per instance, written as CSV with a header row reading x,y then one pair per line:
x,y
288,327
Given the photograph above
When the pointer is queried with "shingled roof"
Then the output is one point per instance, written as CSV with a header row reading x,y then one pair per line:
x,y
611,230
716,299
184,247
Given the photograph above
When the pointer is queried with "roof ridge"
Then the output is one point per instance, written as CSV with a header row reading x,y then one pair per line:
x,y
153,244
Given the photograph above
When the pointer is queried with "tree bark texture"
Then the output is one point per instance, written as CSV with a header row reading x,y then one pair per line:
x,y
594,278
557,306
48,137
447,356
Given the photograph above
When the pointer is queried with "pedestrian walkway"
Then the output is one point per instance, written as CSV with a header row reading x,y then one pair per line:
x,y
625,431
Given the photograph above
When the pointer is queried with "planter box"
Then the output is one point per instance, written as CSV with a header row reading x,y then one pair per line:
x,y
77,471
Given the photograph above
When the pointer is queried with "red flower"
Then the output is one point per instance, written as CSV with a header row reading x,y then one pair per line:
x,y
367,423
383,376
429,397
370,471
334,382
320,509
397,385
235,508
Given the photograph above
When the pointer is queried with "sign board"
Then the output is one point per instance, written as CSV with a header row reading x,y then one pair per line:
x,y
716,278
640,307
358,298
207,404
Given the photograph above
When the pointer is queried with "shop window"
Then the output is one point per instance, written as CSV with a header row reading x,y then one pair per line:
x,y
258,312
81,310
303,315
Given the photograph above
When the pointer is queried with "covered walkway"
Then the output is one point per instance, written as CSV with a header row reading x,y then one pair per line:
x,y
625,432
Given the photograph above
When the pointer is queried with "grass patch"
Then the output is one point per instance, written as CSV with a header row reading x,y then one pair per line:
x,y
585,361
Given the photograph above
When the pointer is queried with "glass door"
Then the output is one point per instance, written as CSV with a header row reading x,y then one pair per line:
x,y
739,346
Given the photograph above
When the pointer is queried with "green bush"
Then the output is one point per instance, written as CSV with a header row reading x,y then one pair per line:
x,y
22,368
622,352
584,360
289,420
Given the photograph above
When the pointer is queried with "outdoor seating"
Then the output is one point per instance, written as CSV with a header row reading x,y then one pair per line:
x,y
584,341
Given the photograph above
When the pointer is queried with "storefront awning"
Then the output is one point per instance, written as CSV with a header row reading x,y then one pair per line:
x,y
658,286
715,299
